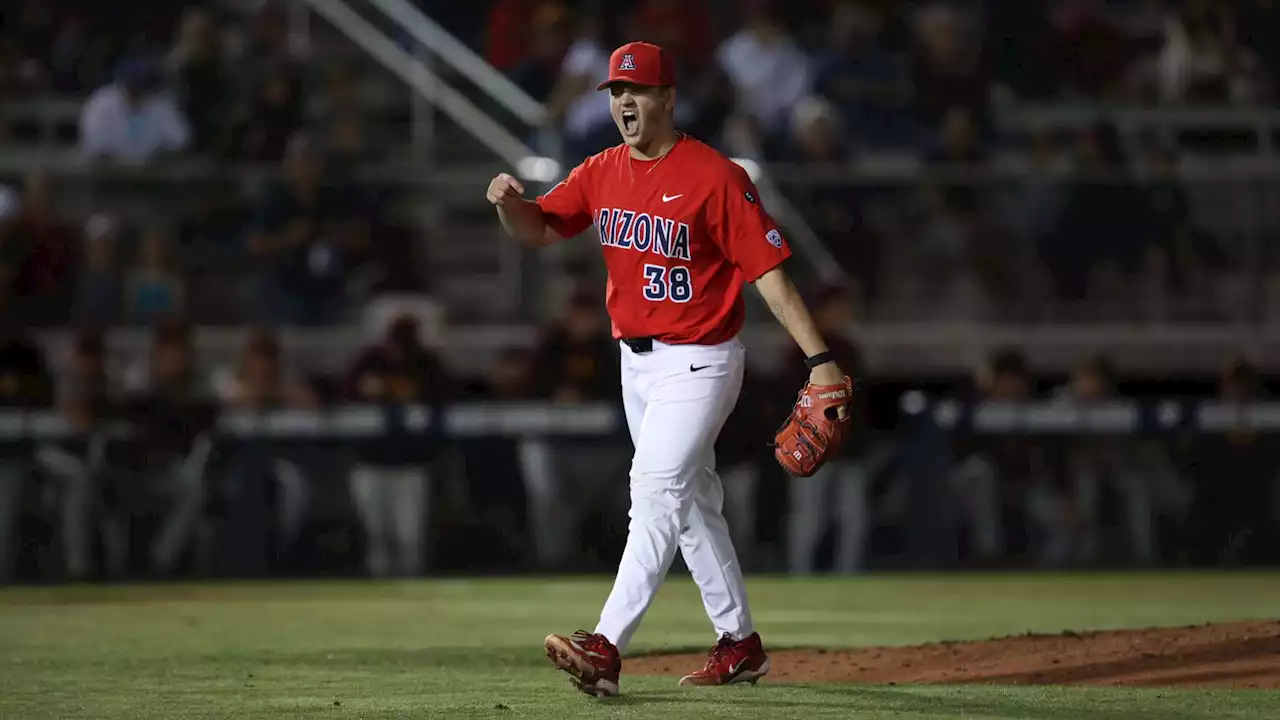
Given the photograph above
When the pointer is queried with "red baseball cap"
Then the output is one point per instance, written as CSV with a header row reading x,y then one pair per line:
x,y
641,63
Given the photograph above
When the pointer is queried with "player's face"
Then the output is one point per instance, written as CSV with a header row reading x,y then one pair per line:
x,y
640,111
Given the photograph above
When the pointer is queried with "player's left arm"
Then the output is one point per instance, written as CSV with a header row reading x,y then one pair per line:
x,y
752,241
789,309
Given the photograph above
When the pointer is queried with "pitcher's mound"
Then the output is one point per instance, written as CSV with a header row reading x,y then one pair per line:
x,y
1237,655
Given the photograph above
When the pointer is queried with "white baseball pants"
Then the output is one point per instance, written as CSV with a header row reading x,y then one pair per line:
x,y
677,398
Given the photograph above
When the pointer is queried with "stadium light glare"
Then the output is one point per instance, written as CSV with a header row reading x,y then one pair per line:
x,y
536,168
751,166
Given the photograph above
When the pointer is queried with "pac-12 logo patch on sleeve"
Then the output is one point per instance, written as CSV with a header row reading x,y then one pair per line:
x,y
750,198
775,238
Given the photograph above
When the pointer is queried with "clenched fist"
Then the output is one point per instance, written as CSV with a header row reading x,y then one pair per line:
x,y
504,187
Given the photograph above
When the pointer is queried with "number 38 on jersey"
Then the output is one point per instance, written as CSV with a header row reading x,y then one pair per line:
x,y
652,235
663,283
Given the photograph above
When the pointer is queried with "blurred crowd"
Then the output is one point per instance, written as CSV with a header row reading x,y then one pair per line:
x,y
824,83
891,73
195,82
144,487
1096,220
1091,220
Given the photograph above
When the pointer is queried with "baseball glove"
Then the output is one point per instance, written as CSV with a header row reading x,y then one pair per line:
x,y
815,429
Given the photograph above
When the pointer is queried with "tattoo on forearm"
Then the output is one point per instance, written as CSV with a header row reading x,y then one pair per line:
x,y
779,312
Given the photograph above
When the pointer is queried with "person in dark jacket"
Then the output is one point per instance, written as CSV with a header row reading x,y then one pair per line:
x,y
838,491
25,384
390,484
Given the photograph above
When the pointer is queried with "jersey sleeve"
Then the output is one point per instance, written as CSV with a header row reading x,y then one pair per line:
x,y
742,227
565,206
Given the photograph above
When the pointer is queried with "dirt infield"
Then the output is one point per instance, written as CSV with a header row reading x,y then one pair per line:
x,y
1239,655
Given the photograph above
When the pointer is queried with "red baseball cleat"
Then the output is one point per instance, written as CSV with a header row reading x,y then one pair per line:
x,y
591,660
732,661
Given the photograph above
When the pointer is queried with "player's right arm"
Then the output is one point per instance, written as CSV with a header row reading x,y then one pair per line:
x,y
522,219
561,213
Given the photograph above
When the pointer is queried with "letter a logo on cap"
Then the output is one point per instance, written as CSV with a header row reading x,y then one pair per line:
x,y
628,62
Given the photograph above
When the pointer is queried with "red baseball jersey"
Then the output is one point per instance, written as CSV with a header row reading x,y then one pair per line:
x,y
680,235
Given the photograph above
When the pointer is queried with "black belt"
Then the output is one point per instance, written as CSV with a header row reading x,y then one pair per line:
x,y
639,345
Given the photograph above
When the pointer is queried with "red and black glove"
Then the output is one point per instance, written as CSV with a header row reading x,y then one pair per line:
x,y
815,429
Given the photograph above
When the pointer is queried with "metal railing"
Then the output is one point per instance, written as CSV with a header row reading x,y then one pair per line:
x,y
465,61
1261,125
423,81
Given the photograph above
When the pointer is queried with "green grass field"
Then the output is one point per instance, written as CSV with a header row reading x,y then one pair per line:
x,y
472,649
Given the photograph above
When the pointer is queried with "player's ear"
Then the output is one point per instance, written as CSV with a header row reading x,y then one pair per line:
x,y
669,102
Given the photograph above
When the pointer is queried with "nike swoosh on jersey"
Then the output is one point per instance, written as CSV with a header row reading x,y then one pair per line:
x,y
696,368
668,198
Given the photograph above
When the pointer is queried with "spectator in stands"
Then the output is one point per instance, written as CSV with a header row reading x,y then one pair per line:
x,y
390,483
962,230
549,36
575,103
262,481
1235,479
1009,503
194,67
1031,206
88,398
1201,60
838,492
25,379
170,369
1101,233
305,231
965,260
681,27
499,501
817,137
742,464
769,70
155,291
162,493
1096,50
507,36
99,296
272,117
576,361
833,210
1257,24
264,42
868,85
338,117
132,121
464,21
339,96
348,145
25,383
1181,258
42,252
959,142
1131,469
946,71
10,252
261,379
89,388
1022,48
63,47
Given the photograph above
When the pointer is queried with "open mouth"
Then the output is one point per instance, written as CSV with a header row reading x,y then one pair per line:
x,y
629,121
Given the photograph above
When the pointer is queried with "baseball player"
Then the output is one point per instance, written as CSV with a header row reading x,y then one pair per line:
x,y
681,228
